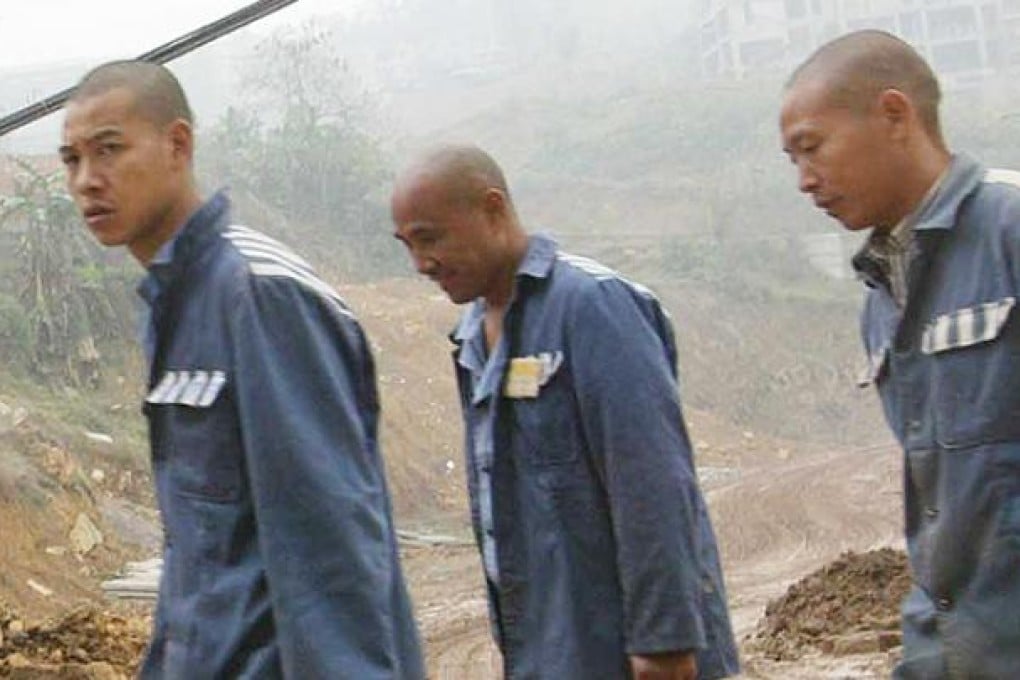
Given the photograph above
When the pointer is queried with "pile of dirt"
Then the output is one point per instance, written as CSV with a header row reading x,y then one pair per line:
x,y
85,643
849,606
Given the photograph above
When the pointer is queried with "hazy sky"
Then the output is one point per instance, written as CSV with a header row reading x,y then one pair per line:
x,y
45,31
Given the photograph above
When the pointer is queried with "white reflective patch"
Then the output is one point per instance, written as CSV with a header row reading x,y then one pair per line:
x,y
965,327
940,334
191,393
175,390
158,393
212,390
961,328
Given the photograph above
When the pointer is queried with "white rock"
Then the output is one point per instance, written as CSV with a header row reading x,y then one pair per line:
x,y
98,476
39,588
84,536
99,437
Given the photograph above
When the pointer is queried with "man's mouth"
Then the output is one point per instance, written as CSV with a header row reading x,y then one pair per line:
x,y
95,215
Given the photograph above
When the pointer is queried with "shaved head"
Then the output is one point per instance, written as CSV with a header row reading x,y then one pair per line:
x,y
859,66
463,173
452,210
158,96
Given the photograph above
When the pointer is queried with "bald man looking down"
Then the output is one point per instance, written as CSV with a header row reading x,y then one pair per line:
x,y
941,333
280,557
596,545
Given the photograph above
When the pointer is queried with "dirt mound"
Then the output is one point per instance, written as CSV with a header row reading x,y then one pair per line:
x,y
849,606
85,643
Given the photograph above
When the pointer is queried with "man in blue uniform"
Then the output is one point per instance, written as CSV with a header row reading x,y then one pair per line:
x,y
280,558
596,544
942,265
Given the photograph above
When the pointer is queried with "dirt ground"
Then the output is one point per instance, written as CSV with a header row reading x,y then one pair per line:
x,y
779,514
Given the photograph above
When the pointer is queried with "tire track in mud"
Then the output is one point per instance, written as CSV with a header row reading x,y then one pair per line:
x,y
776,521
783,520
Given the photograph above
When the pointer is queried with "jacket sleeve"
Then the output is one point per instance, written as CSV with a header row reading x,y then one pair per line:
x,y
306,398
622,355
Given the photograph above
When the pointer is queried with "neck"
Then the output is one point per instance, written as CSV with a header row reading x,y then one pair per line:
x,y
919,178
506,273
170,223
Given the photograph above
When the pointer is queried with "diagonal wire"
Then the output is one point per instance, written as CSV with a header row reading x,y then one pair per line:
x,y
160,55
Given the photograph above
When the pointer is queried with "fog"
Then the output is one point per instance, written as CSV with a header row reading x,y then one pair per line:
x,y
642,133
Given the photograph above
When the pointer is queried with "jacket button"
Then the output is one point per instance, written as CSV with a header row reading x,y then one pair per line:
x,y
944,604
914,425
931,512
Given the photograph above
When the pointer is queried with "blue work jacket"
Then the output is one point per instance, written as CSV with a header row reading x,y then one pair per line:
x,y
948,371
280,558
604,544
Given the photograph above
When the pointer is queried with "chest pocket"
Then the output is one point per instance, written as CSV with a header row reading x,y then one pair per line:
x,y
975,376
545,427
200,435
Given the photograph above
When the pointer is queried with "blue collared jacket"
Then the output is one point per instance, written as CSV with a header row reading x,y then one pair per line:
x,y
604,544
948,371
280,557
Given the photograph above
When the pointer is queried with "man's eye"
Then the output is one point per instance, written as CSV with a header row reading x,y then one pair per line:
x,y
69,161
108,149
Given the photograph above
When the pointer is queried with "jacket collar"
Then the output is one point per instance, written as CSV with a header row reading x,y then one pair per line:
x,y
173,257
938,215
537,263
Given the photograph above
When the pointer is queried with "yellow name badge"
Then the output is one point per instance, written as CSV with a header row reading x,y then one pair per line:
x,y
524,378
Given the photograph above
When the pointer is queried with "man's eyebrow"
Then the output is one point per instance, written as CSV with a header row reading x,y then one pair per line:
x,y
105,133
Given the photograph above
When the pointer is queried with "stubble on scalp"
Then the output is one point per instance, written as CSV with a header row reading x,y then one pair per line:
x,y
157,94
856,68
461,173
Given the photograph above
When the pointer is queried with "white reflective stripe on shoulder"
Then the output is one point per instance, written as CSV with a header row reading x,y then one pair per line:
x,y
268,257
602,272
999,176
966,326
254,242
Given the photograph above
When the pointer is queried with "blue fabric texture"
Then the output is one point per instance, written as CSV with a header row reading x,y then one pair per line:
x,y
947,369
280,556
603,540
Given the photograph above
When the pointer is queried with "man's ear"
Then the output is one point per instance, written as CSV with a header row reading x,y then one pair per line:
x,y
896,109
495,202
181,140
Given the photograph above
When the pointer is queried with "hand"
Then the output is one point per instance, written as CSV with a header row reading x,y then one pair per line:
x,y
668,666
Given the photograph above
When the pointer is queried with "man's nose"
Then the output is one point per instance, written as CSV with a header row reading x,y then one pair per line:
x,y
425,264
85,178
807,178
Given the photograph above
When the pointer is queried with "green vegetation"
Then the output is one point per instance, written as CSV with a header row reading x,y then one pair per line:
x,y
60,302
297,145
